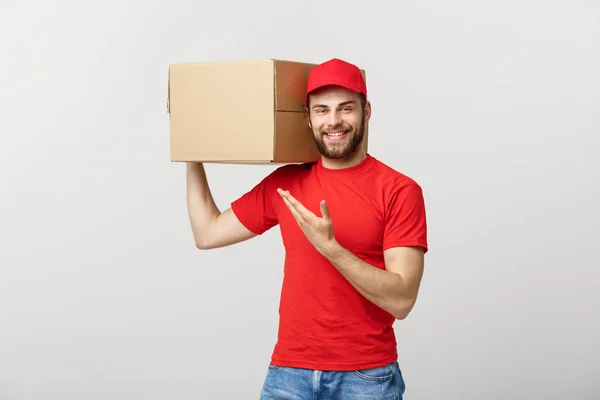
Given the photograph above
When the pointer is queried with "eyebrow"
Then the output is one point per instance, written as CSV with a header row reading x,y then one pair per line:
x,y
343,103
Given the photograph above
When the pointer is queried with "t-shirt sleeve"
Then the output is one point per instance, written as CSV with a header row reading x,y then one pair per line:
x,y
406,221
254,209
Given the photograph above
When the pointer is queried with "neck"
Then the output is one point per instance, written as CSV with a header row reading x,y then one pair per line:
x,y
350,161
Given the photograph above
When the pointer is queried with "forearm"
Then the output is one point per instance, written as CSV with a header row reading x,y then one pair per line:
x,y
201,206
386,289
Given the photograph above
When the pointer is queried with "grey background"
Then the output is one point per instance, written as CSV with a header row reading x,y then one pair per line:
x,y
493,107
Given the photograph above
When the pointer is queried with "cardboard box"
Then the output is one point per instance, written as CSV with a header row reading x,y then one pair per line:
x,y
239,112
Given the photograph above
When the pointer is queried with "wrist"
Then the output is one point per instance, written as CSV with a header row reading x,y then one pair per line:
x,y
331,249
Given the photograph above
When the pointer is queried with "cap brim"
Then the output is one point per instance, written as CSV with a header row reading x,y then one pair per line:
x,y
343,84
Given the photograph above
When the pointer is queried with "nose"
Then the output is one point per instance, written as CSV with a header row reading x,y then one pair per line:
x,y
334,119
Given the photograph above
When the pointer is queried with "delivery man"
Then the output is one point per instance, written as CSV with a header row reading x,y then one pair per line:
x,y
355,235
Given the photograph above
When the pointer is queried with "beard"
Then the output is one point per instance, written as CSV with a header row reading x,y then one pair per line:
x,y
338,151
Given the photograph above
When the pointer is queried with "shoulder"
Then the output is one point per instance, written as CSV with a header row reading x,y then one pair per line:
x,y
392,180
402,198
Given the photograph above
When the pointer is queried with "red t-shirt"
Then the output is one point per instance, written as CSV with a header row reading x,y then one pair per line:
x,y
324,322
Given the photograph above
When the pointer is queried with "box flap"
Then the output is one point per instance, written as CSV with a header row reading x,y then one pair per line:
x,y
293,141
290,84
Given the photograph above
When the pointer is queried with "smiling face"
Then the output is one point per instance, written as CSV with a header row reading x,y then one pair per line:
x,y
337,118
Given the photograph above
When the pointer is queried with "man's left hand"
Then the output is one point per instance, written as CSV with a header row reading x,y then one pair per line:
x,y
318,230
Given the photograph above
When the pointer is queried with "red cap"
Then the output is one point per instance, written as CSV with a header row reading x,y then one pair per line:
x,y
336,72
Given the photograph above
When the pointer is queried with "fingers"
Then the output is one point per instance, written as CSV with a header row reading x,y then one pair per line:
x,y
325,210
292,202
299,217
287,196
299,211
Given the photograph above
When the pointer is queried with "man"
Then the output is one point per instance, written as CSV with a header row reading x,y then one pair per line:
x,y
355,235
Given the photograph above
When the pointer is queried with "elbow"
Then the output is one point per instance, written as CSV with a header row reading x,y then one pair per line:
x,y
400,315
202,244
403,308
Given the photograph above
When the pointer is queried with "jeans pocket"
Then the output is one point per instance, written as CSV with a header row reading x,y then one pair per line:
x,y
377,374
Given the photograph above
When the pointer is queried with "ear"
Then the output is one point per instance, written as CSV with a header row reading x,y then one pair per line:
x,y
306,115
367,111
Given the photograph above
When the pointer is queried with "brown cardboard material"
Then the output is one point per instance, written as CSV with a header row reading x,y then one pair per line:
x,y
243,112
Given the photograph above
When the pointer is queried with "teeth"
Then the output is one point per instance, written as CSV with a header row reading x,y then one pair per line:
x,y
336,134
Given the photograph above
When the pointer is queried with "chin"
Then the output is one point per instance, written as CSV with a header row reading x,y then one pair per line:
x,y
336,153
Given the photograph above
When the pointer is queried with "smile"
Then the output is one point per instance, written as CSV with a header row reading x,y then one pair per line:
x,y
336,135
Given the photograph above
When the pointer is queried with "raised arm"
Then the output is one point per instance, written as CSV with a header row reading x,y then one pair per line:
x,y
211,228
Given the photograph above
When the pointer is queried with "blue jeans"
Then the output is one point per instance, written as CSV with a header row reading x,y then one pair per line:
x,y
381,383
